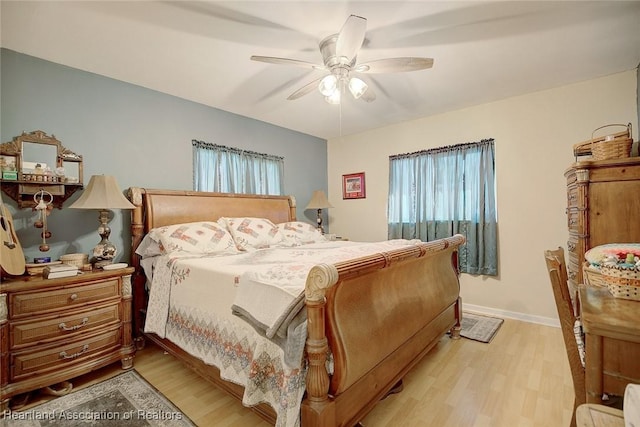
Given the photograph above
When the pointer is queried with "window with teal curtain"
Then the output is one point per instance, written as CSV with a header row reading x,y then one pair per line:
x,y
231,170
445,191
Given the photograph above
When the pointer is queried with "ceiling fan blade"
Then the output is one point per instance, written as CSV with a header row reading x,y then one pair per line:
x,y
287,61
395,65
304,90
351,37
369,95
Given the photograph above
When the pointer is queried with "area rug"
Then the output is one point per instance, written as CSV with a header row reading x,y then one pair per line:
x,y
479,328
126,400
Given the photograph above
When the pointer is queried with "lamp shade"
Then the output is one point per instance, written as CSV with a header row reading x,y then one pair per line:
x,y
102,193
319,201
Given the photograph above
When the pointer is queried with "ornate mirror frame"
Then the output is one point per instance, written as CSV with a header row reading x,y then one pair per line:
x,y
59,173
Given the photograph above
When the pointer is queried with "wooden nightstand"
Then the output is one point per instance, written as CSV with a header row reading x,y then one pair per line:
x,y
53,330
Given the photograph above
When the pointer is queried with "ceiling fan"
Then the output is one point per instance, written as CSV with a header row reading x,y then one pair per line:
x,y
339,53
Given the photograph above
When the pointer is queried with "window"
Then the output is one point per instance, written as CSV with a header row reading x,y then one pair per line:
x,y
231,170
445,191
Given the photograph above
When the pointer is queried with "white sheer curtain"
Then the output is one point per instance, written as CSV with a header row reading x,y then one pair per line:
x,y
440,192
231,170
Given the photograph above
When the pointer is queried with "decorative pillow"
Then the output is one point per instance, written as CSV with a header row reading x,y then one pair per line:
x,y
252,233
300,233
206,237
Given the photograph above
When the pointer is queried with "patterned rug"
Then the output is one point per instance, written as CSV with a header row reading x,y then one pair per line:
x,y
479,328
126,400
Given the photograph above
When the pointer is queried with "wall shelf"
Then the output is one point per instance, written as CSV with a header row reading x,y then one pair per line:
x,y
35,161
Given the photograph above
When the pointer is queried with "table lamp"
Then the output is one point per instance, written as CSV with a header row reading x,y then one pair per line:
x,y
102,194
319,201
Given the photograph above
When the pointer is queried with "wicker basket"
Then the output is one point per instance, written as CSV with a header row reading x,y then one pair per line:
x,y
622,282
613,146
592,276
78,260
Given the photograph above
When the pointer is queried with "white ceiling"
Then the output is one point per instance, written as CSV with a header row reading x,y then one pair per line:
x,y
483,51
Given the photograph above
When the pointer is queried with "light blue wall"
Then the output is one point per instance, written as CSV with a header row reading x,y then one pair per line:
x,y
142,137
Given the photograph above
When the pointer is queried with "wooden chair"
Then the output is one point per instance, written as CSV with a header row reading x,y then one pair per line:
x,y
558,275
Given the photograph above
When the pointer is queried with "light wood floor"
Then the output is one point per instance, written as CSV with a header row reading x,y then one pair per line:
x,y
520,379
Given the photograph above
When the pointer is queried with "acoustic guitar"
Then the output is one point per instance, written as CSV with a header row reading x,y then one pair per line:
x,y
11,256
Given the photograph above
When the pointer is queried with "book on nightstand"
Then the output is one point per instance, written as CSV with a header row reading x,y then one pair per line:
x,y
59,270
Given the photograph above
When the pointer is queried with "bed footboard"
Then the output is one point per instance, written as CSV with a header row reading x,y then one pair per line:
x,y
379,315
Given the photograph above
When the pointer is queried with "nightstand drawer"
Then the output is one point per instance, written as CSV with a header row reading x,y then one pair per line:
x,y
40,361
26,332
30,303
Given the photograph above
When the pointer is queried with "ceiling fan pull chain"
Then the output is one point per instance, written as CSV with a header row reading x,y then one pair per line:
x,y
340,119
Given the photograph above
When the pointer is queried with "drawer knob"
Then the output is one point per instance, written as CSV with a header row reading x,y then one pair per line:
x,y
64,326
64,355
73,297
572,275
571,246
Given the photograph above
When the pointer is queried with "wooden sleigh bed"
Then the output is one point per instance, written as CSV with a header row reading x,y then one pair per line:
x,y
376,315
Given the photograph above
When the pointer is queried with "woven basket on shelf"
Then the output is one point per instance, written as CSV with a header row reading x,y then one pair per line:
x,y
613,146
622,282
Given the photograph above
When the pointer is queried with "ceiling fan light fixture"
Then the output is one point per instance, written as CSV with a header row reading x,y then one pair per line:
x,y
339,61
357,87
328,85
334,98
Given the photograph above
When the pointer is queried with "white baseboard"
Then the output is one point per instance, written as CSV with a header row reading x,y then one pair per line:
x,y
547,321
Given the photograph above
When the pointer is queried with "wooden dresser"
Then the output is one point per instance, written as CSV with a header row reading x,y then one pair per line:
x,y
603,206
53,330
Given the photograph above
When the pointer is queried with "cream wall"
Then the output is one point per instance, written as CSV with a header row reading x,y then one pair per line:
x,y
534,135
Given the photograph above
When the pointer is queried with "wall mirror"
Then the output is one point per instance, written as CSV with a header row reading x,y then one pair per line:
x,y
38,153
35,161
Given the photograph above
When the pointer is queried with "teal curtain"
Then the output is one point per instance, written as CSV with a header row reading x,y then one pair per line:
x,y
231,170
444,191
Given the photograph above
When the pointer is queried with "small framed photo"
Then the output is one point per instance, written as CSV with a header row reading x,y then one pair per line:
x,y
353,186
7,163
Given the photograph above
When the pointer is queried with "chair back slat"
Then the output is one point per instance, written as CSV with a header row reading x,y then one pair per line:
x,y
557,270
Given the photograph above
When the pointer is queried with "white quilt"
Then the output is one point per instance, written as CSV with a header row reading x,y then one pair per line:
x,y
191,300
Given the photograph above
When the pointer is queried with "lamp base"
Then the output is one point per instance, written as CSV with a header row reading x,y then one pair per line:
x,y
102,263
103,254
105,251
319,221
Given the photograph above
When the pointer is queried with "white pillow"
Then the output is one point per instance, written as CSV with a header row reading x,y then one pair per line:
x,y
252,233
205,237
300,233
149,247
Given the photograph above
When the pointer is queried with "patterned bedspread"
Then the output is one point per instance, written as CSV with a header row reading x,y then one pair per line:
x,y
191,300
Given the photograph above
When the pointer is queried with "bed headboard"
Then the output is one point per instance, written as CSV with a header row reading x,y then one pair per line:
x,y
156,208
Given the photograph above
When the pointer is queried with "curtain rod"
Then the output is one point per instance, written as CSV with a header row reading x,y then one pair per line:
x,y
442,149
210,146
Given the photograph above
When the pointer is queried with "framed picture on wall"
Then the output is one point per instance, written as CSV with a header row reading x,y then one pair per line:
x,y
353,186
